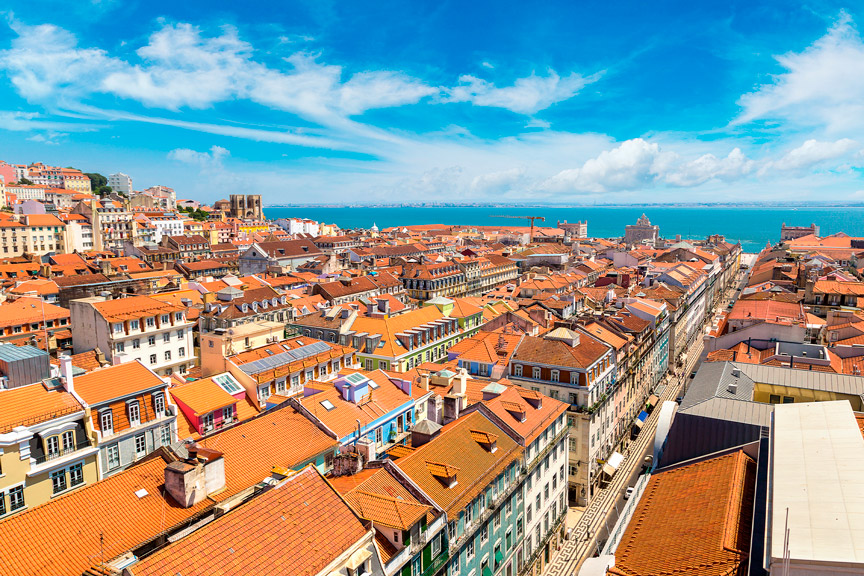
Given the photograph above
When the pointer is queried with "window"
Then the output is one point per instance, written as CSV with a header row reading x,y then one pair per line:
x,y
484,533
181,333
788,400
58,481
140,445
151,322
263,393
469,514
538,501
517,370
113,454
16,498
309,375
151,340
535,373
133,325
134,413
518,528
508,509
554,376
436,545
227,413
166,337
159,404
178,316
167,355
52,446
165,435
119,347
280,387
469,551
152,358
165,319
379,436
181,352
497,520
106,422
136,344
417,566
118,327
68,440
76,475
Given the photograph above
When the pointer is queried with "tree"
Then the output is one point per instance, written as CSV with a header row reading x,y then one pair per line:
x,y
103,191
25,182
97,180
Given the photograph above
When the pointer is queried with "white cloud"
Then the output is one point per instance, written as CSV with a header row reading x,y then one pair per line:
x,y
709,167
809,154
631,165
212,158
528,95
821,86
46,65
497,182
537,123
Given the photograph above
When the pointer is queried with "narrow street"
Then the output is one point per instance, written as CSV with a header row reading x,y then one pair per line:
x,y
592,529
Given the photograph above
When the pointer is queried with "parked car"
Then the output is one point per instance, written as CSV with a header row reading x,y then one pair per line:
x,y
629,492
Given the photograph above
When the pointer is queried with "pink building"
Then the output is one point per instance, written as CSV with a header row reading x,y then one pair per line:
x,y
209,404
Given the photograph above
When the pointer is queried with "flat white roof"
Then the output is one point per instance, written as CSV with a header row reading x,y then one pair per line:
x,y
818,474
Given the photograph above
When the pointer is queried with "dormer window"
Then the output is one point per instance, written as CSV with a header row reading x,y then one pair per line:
x,y
151,322
134,412
133,324
166,319
159,403
106,422
445,473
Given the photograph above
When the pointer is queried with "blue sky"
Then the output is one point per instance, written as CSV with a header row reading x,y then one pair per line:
x,y
396,101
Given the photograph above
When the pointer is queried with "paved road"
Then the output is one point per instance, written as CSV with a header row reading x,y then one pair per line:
x,y
584,540
601,513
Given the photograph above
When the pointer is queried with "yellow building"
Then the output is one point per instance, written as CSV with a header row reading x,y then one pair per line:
x,y
45,449
193,228
247,229
34,234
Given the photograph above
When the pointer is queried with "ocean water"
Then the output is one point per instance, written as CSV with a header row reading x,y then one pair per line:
x,y
752,226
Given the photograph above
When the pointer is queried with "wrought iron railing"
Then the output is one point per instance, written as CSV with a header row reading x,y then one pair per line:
x,y
59,454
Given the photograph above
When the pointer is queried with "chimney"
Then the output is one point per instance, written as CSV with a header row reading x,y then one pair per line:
x,y
105,295
66,373
190,480
424,381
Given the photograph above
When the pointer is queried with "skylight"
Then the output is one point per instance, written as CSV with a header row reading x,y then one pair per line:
x,y
327,405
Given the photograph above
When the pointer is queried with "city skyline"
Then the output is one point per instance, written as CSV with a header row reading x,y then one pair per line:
x,y
442,102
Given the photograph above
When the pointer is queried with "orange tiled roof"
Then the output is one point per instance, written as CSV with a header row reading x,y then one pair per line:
x,y
483,437
117,381
32,404
203,396
387,510
134,307
253,447
342,419
510,402
694,519
442,470
454,447
86,361
29,310
32,544
302,522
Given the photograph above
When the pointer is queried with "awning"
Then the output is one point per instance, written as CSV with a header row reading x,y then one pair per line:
x,y
358,558
642,416
613,463
638,424
499,557
653,400
487,571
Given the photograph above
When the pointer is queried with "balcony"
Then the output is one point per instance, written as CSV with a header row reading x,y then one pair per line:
x,y
60,454
61,458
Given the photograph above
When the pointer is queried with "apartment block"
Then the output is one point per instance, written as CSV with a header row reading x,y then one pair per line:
x,y
143,328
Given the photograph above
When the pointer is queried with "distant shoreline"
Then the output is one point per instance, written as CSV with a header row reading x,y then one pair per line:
x,y
785,206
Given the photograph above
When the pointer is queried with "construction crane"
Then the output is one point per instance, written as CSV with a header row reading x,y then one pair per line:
x,y
531,218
